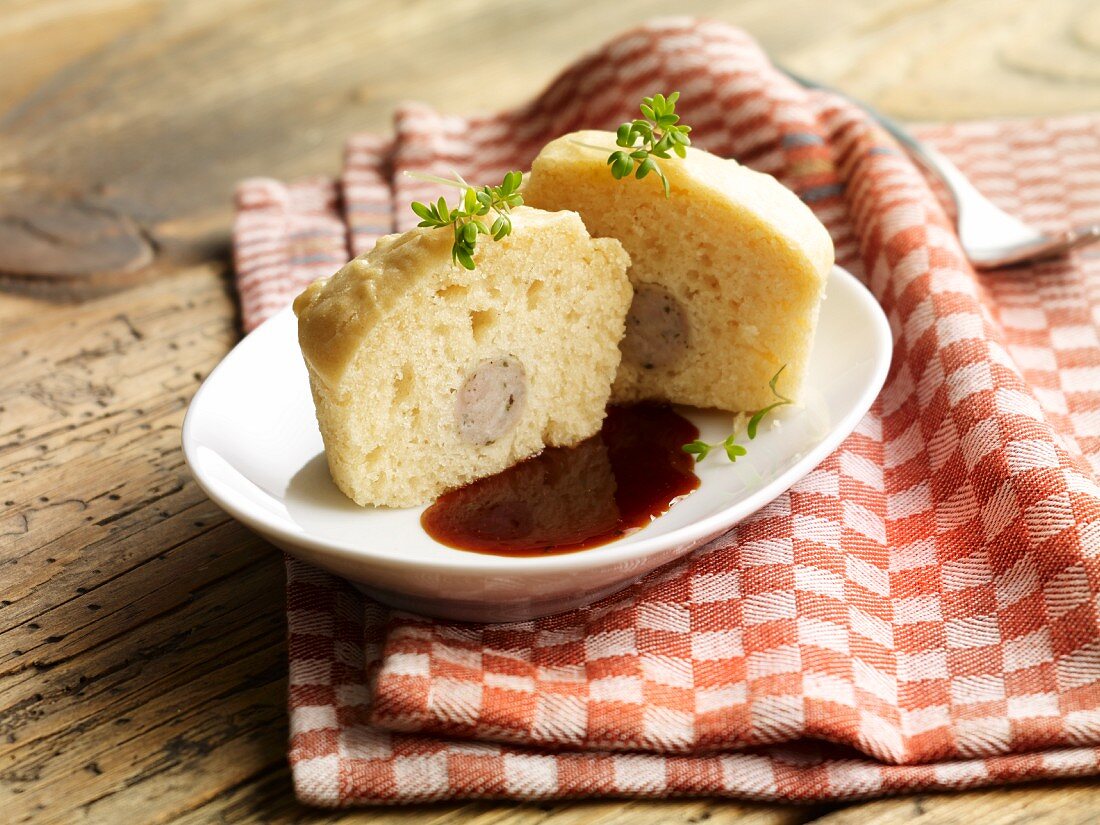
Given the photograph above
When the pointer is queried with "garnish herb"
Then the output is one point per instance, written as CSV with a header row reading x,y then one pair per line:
x,y
700,449
466,218
655,137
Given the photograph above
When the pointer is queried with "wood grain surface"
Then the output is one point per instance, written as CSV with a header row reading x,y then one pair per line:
x,y
142,660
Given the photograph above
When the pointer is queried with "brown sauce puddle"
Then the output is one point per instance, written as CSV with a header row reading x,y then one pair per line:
x,y
568,499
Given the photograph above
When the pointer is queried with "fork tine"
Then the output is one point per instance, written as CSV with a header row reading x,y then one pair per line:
x,y
1081,235
990,237
1025,253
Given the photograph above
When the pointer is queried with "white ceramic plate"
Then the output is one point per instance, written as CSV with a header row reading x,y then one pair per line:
x,y
251,440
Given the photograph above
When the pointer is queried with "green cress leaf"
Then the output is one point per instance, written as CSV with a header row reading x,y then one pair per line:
x,y
733,450
698,449
465,218
423,212
655,137
754,422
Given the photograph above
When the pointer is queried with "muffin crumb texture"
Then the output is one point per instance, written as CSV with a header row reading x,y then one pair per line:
x,y
427,376
729,271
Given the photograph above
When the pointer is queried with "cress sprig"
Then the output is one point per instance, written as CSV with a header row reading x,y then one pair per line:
x,y
659,135
700,449
466,218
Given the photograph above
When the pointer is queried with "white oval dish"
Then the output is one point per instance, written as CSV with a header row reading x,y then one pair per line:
x,y
251,440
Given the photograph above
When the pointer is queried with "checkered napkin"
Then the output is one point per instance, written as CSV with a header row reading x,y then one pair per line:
x,y
921,611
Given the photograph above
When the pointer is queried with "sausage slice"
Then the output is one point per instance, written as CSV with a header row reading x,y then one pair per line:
x,y
656,328
491,400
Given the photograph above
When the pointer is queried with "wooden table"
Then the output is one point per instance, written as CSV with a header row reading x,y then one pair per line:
x,y
142,663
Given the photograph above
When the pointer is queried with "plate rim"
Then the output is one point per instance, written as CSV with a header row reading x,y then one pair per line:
x,y
613,553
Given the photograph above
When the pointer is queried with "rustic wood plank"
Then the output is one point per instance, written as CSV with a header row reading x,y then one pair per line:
x,y
142,662
211,78
264,801
67,239
1053,803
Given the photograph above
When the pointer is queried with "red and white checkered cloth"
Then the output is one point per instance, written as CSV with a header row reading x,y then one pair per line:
x,y
920,612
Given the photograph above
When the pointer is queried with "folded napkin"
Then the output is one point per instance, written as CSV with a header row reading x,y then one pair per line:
x,y
918,612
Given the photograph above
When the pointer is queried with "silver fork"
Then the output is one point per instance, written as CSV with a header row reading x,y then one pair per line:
x,y
990,237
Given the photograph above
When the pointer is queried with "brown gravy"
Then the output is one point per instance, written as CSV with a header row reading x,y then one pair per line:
x,y
567,499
